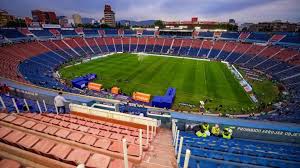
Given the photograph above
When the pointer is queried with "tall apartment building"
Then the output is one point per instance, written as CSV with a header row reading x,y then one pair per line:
x,y
5,17
109,16
275,26
77,19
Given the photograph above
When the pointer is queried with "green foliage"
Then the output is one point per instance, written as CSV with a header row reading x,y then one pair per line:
x,y
228,27
159,23
118,25
54,22
89,25
16,23
105,26
265,90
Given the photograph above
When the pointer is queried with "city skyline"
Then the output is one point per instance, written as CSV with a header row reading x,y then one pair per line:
x,y
168,10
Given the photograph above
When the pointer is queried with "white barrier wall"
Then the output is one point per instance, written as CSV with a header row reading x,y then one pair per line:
x,y
114,115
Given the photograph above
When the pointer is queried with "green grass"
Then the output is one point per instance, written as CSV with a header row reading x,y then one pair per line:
x,y
194,80
265,90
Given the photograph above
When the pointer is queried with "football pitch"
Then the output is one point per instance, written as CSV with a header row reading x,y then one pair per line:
x,y
194,80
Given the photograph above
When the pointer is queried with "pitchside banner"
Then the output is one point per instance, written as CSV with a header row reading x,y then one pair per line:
x,y
267,134
249,133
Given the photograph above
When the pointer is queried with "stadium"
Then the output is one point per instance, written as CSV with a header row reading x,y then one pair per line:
x,y
149,97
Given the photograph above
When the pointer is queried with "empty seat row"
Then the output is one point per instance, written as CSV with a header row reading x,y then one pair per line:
x,y
108,143
220,152
4,163
95,123
55,150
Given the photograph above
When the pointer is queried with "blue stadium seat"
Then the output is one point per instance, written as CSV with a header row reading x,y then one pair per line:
x,y
258,37
91,32
111,32
68,33
206,34
128,32
11,33
291,38
32,104
42,33
148,33
238,152
230,35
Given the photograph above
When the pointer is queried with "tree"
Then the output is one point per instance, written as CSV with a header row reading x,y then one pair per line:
x,y
159,23
231,27
54,22
244,29
16,23
11,24
79,25
104,26
118,25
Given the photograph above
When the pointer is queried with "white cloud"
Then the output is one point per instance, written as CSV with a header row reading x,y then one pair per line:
x,y
283,10
219,10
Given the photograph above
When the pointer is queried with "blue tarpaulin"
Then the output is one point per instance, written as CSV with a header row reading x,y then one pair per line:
x,y
77,80
165,101
81,82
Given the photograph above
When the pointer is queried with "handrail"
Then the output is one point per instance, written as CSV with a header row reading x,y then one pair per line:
x,y
69,93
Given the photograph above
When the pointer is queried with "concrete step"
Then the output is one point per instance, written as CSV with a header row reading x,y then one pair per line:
x,y
161,152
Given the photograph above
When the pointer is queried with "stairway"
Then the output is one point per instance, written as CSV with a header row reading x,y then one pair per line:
x,y
161,153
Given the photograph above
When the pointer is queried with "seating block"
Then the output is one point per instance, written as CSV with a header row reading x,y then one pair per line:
x,y
94,131
28,141
102,143
18,121
79,156
75,136
88,139
83,128
7,163
60,151
39,127
14,136
4,131
50,130
9,118
29,124
43,146
94,161
63,133
3,115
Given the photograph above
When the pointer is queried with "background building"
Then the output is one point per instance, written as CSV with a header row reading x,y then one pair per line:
x,y
63,21
28,21
275,26
87,20
232,21
245,26
5,17
77,19
102,21
109,16
194,19
71,22
194,23
44,17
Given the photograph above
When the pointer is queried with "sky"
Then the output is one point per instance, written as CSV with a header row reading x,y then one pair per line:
x,y
167,10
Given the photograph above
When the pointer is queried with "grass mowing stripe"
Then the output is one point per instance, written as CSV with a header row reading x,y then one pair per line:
x,y
200,81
